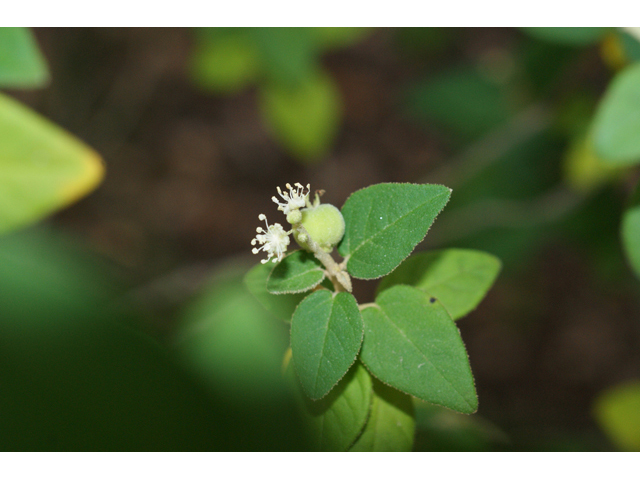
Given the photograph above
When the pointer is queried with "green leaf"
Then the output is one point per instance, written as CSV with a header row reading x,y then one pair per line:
x,y
391,425
630,45
458,278
441,430
462,100
69,351
574,36
617,121
326,334
304,118
617,410
630,232
385,222
412,344
226,63
583,170
21,64
42,167
297,272
336,420
282,306
228,340
288,54
330,38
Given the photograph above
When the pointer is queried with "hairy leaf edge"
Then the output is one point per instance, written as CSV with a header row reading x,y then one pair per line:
x,y
473,379
347,257
357,357
289,292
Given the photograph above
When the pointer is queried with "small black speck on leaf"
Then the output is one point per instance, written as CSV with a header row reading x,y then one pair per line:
x,y
432,300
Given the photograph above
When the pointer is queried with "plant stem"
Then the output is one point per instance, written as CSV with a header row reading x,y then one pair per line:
x,y
336,273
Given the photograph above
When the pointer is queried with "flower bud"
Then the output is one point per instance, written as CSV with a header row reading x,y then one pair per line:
x,y
294,217
325,226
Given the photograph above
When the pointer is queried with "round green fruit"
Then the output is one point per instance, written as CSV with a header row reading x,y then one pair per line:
x,y
324,224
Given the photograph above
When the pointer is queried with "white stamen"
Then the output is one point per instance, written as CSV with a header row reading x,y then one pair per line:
x,y
274,240
294,199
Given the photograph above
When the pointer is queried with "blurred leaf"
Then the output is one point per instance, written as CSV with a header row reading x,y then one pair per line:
x,y
620,49
461,100
617,121
412,344
543,62
391,424
296,273
594,228
525,171
304,119
612,51
441,430
78,375
630,46
326,334
42,167
574,114
385,222
630,232
229,341
213,34
21,64
515,246
49,285
617,410
329,38
421,41
288,55
511,206
458,278
282,306
574,36
336,420
225,63
584,171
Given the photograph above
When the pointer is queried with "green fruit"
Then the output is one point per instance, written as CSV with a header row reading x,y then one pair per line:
x,y
324,224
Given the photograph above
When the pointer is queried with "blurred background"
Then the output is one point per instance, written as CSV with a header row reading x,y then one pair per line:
x,y
124,322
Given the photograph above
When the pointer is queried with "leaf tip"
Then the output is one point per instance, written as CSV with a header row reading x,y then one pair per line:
x,y
92,174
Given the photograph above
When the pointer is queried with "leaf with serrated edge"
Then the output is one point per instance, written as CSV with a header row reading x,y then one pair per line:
x,y
458,278
282,306
297,272
336,420
385,222
326,334
391,425
412,344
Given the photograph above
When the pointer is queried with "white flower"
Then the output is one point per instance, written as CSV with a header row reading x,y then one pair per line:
x,y
293,199
274,240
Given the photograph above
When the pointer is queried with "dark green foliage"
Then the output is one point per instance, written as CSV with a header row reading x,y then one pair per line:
x,y
385,222
326,333
296,273
412,344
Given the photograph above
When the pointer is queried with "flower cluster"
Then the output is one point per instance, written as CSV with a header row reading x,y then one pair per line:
x,y
274,239
293,199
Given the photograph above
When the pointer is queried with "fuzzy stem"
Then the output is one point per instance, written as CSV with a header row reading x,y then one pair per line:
x,y
336,273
